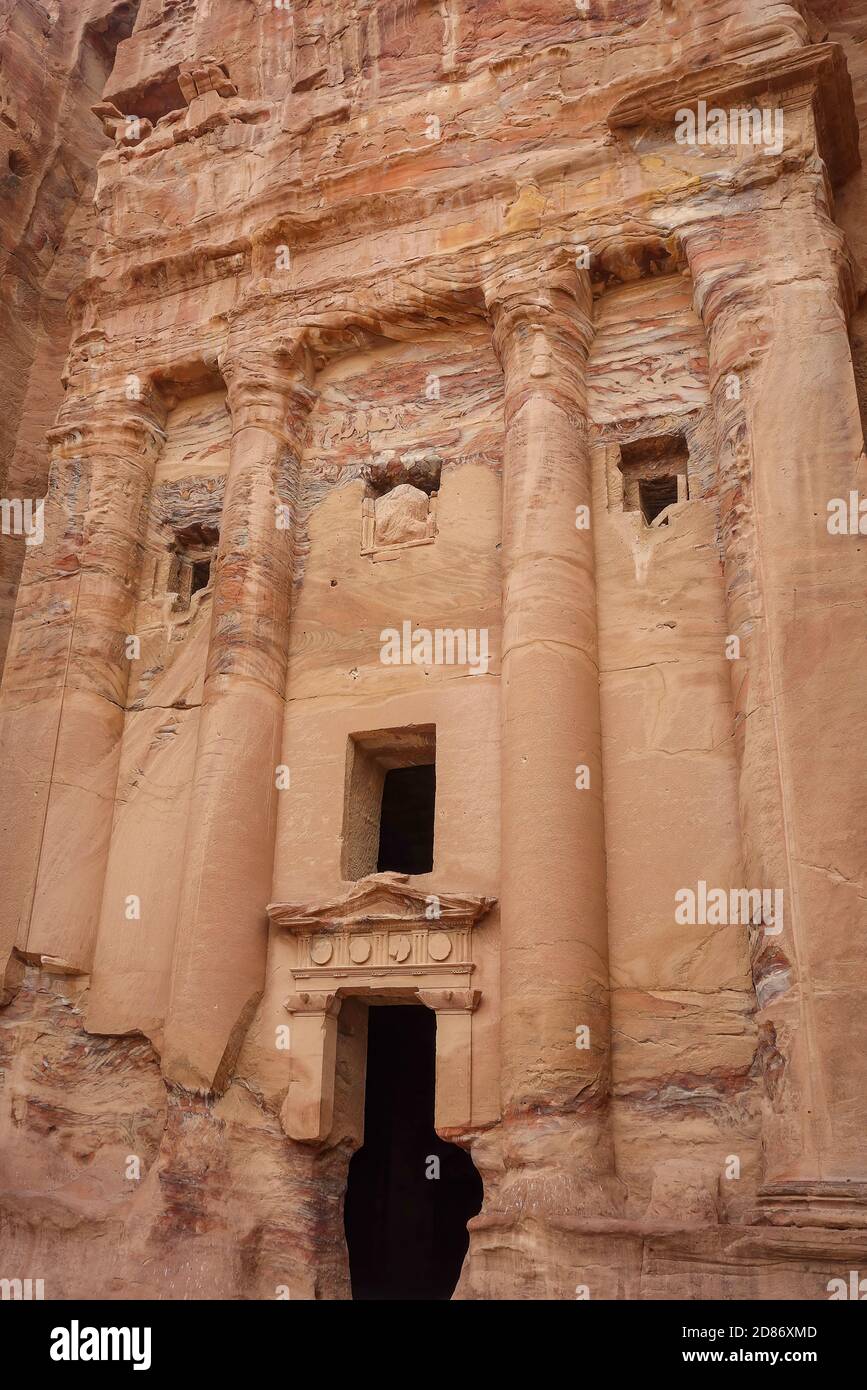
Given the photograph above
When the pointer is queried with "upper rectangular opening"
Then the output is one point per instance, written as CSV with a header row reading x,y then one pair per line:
x,y
193,552
655,476
389,802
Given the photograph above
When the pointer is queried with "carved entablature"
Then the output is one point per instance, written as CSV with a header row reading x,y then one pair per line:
x,y
383,933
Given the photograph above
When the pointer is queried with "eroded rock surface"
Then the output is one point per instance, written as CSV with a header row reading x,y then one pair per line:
x,y
452,384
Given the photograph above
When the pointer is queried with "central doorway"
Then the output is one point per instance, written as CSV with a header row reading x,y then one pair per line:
x,y
409,1194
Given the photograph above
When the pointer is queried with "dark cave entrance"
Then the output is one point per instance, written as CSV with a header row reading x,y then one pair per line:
x,y
406,1228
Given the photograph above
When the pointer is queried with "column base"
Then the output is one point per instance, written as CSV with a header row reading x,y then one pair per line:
x,y
555,1166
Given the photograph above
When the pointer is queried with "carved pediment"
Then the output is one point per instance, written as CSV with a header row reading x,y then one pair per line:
x,y
384,901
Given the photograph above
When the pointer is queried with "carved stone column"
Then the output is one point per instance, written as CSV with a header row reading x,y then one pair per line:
x,y
554,957
789,438
220,948
77,603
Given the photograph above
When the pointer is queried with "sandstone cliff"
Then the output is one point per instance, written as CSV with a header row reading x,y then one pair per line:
x,y
325,320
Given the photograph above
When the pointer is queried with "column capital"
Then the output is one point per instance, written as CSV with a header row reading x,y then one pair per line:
x,y
267,385
736,303
451,1001
326,1002
542,315
122,418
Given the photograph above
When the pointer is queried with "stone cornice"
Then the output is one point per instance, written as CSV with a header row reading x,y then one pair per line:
x,y
818,70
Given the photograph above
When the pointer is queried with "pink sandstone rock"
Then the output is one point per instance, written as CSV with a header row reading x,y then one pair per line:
x,y
434,522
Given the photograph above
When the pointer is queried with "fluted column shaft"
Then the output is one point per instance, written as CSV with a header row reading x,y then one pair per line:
x,y
554,957
221,940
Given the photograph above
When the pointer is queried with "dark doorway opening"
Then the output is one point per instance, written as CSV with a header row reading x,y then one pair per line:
x,y
406,1227
406,821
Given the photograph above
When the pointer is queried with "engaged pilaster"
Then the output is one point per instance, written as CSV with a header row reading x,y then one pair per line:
x,y
78,596
308,1110
789,449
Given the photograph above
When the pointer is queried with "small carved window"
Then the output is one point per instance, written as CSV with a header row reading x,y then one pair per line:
x,y
190,568
655,494
201,575
655,476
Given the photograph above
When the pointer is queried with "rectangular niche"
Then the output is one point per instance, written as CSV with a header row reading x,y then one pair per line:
x,y
389,802
191,563
651,475
399,507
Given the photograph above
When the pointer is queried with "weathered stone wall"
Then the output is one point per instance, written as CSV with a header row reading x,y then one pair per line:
x,y
330,241
54,62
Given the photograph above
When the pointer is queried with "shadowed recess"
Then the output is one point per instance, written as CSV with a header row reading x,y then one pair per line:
x,y
409,1194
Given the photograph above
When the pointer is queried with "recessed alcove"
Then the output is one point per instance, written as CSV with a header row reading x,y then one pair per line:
x,y
655,476
19,163
187,495
150,100
399,507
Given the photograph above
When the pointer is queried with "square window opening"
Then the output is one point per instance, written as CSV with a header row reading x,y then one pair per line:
x,y
655,474
389,802
201,575
193,551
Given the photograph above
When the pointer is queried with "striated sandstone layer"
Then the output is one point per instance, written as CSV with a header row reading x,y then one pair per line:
x,y
411,385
